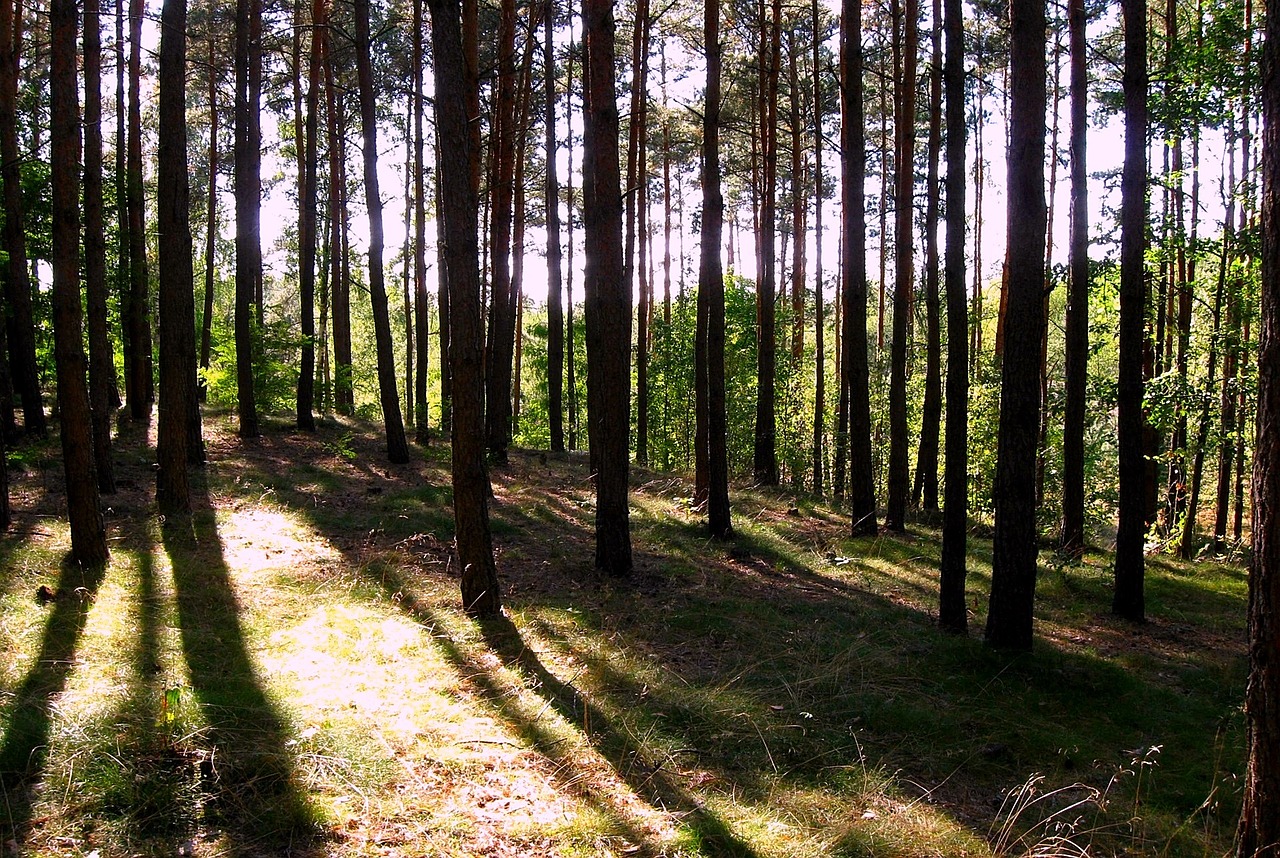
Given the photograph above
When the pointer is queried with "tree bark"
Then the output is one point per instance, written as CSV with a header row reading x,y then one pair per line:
x,y
1014,548
766,437
248,193
211,227
819,322
854,370
924,492
952,610
895,517
711,282
480,591
421,310
177,287
138,305
1258,834
555,274
1077,320
1128,601
397,444
88,533
608,300
308,232
102,365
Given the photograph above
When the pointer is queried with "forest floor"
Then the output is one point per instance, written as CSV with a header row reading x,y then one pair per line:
x,y
287,672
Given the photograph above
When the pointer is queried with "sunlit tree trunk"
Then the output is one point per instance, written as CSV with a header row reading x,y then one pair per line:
x,y
308,232
397,444
211,226
138,307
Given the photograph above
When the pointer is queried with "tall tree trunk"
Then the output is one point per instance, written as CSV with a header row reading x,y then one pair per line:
x,y
88,533
248,191
952,610
571,379
819,322
555,274
854,370
711,283
895,517
1014,552
635,177
102,365
1258,834
1077,321
397,444
1131,533
343,381
454,81
406,270
121,273
799,205
211,226
608,299
501,342
139,304
924,493
766,438
444,315
177,287
421,310
308,232
17,285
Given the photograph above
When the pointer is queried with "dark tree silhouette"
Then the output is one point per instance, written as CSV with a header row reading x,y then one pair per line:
x,y
1014,549
608,295
459,210
248,194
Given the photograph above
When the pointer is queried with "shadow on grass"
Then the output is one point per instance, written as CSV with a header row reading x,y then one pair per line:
x,y
625,756
25,749
248,774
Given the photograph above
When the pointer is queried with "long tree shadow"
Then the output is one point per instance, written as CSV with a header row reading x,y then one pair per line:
x,y
248,775
25,750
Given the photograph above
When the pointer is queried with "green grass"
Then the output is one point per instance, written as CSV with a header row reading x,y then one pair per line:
x,y
288,667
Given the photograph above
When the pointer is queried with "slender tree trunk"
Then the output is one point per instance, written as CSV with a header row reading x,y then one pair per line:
x,y
177,286
88,533
17,285
501,342
711,282
1014,552
766,438
952,610
819,322
1077,321
102,365
139,301
924,493
454,81
406,270
1042,442
1131,533
397,444
571,379
799,205
854,370
343,382
895,517
211,227
555,274
444,314
248,190
308,232
635,172
421,310
608,299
